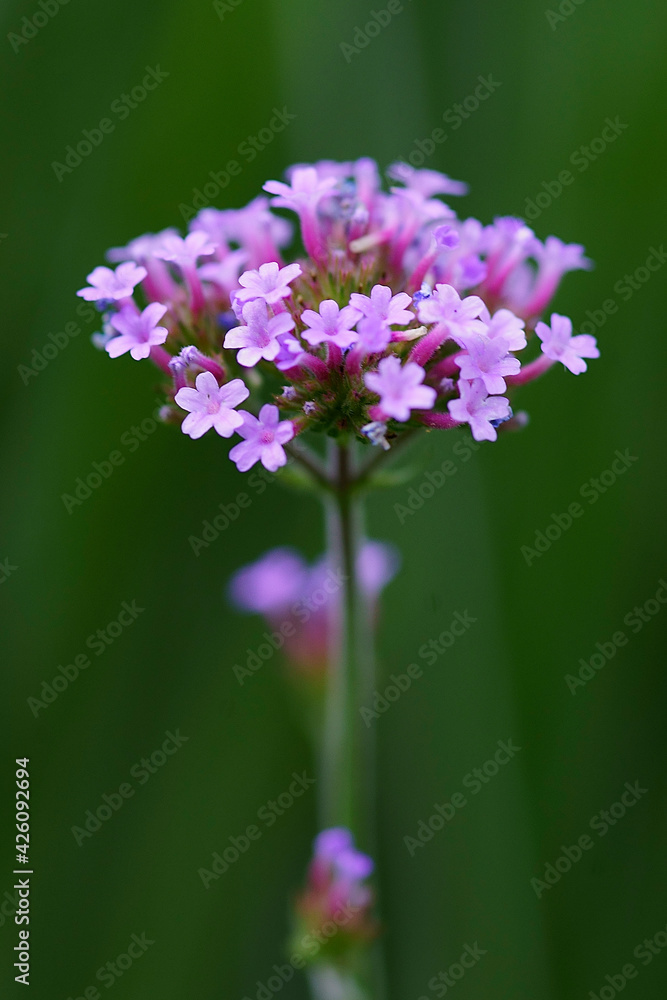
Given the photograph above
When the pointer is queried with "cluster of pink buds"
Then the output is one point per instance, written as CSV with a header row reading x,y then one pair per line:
x,y
399,314
301,603
333,912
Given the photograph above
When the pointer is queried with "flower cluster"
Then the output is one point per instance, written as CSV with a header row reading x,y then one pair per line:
x,y
334,909
398,313
302,602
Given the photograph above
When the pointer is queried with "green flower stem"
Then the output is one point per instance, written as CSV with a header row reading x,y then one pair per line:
x,y
347,782
340,799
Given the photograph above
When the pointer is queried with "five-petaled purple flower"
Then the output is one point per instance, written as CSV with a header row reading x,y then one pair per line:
x,y
258,338
138,331
304,191
400,388
383,305
477,408
110,286
270,283
487,360
211,405
458,317
264,440
505,324
184,252
332,324
559,344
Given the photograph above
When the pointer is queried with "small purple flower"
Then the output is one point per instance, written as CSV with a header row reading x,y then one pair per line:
x,y
353,866
330,843
487,360
108,285
426,182
271,584
559,344
225,272
458,317
336,848
264,440
508,326
555,259
373,335
140,248
332,324
399,388
446,237
391,309
475,407
270,283
303,195
184,252
211,405
138,331
257,339
290,352
305,190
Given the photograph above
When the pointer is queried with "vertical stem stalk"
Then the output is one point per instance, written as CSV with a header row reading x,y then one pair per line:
x,y
340,800
347,790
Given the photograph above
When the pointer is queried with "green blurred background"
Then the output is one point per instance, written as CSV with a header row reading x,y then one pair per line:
x,y
559,80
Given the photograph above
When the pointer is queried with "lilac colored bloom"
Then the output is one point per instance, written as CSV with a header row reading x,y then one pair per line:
x,y
304,191
559,344
138,331
399,388
336,879
225,282
225,272
353,866
413,209
426,182
391,309
373,335
141,248
257,339
336,847
108,285
254,228
184,252
477,408
555,259
271,584
446,237
211,405
331,324
264,440
562,257
508,326
290,352
487,360
458,317
330,843
270,283
303,195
